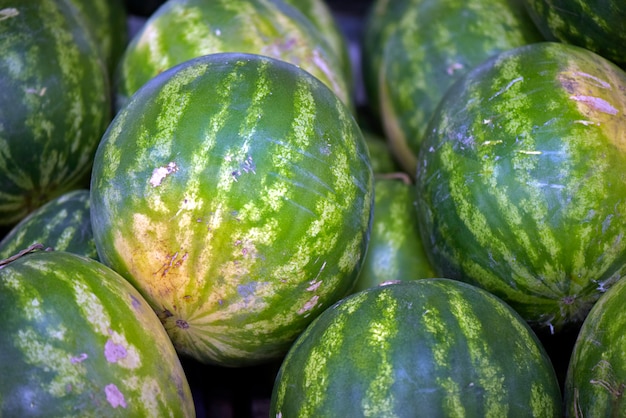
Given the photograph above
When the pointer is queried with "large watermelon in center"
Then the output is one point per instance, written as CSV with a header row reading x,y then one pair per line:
x,y
235,192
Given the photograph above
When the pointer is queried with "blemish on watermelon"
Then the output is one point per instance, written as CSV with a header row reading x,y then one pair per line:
x,y
172,262
159,173
79,358
135,302
310,304
608,380
8,13
39,92
314,285
454,67
114,396
507,87
596,81
114,352
246,290
596,103
182,324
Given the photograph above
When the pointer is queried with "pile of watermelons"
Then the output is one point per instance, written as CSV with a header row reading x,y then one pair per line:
x,y
299,208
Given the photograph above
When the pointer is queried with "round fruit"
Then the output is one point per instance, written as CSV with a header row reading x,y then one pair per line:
x,y
432,348
55,102
235,191
520,181
183,29
78,340
63,224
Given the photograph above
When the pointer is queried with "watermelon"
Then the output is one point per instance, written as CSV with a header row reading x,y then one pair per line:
x,y
432,348
106,20
594,386
520,181
429,47
596,25
183,29
78,340
235,191
63,224
395,249
55,102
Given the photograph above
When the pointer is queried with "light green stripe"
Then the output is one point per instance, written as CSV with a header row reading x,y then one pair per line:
x,y
378,401
490,375
444,338
317,368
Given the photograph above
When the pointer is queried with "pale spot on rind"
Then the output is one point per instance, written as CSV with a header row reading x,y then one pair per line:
x,y
310,304
8,12
159,173
79,358
114,396
314,285
597,81
114,352
596,103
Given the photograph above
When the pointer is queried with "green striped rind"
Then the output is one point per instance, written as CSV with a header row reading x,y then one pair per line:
x,y
235,191
55,104
107,21
78,340
596,25
520,183
594,385
321,16
432,347
395,250
183,29
431,46
63,224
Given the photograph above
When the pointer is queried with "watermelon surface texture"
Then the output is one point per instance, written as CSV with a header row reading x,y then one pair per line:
x,y
520,181
62,224
107,22
78,340
183,29
594,386
597,25
235,191
55,102
395,250
420,348
430,44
